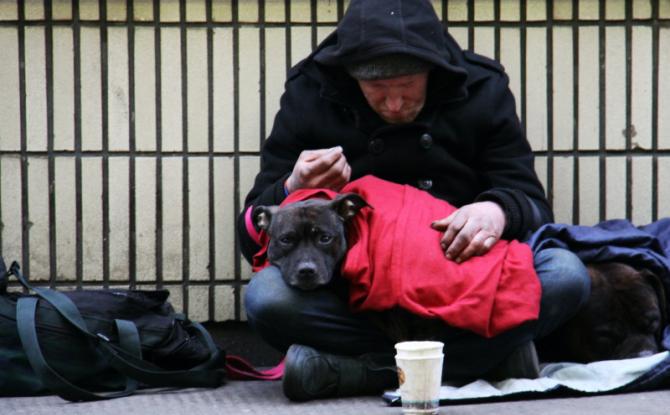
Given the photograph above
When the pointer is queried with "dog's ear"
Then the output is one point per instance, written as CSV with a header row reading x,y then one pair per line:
x,y
263,216
347,205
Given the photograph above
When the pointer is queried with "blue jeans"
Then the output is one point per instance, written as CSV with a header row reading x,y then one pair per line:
x,y
321,318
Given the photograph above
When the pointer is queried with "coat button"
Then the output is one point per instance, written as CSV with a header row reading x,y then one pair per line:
x,y
425,184
376,146
426,141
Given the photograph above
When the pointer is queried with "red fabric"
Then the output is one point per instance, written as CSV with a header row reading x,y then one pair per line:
x,y
394,259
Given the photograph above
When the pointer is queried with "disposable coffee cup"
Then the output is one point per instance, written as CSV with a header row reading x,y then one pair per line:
x,y
419,366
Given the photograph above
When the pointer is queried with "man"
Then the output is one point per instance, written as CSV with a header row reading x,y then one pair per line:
x,y
390,93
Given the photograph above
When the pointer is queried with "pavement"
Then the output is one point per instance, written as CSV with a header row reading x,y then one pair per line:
x,y
260,397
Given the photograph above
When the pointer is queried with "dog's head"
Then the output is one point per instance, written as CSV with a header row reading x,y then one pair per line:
x,y
307,238
623,318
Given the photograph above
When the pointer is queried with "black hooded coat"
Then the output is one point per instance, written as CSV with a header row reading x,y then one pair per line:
x,y
465,145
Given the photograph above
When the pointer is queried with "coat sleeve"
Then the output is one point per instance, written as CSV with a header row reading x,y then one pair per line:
x,y
507,163
278,156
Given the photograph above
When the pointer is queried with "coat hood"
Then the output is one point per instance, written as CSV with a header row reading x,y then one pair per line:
x,y
373,28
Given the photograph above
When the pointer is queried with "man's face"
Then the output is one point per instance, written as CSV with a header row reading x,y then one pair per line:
x,y
397,100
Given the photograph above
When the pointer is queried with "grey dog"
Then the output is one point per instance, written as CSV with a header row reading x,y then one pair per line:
x,y
308,238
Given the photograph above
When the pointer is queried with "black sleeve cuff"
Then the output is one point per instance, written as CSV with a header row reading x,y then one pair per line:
x,y
272,195
523,214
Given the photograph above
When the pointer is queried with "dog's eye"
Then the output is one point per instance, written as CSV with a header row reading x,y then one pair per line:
x,y
325,238
287,239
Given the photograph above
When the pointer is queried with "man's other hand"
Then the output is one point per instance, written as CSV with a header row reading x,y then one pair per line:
x,y
325,168
470,231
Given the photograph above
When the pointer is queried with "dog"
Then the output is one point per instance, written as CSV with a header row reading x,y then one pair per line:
x,y
308,238
623,318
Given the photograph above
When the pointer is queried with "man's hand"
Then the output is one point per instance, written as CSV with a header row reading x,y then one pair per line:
x,y
470,231
326,168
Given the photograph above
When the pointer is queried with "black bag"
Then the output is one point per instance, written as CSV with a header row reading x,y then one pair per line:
x,y
108,341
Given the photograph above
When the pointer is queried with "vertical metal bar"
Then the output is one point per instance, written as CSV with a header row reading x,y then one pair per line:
x,y
51,162
312,23
212,268
522,46
287,26
629,96
236,151
25,216
445,11
340,9
1,225
159,145
654,108
263,100
105,142
186,240
132,203
79,232
602,117
550,100
575,112
471,25
497,24
261,38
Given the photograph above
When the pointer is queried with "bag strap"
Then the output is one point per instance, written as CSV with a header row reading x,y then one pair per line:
x,y
63,305
26,309
155,376
122,358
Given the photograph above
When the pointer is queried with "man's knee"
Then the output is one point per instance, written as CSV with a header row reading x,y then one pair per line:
x,y
563,277
267,297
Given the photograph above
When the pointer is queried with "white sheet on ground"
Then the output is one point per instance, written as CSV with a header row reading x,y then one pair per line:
x,y
593,377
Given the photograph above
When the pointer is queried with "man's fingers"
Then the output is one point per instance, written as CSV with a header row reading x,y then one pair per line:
x,y
333,178
341,174
461,241
324,162
339,166
488,243
442,224
347,173
479,245
314,168
310,155
454,227
341,180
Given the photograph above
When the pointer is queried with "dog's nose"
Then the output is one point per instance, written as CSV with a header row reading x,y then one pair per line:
x,y
307,271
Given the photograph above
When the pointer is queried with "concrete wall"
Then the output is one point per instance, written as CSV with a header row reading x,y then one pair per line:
x,y
129,134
